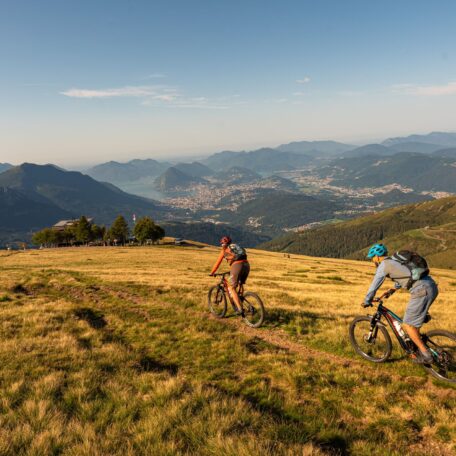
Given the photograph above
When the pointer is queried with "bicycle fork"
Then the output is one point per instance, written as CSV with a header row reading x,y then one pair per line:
x,y
372,335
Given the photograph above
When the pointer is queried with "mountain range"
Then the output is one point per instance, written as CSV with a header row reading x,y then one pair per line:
x,y
265,160
317,181
417,171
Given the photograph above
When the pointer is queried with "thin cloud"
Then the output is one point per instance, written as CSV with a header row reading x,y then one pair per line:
x,y
299,94
427,91
129,91
159,96
156,76
304,80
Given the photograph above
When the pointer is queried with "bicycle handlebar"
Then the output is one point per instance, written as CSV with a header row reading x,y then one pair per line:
x,y
221,274
385,295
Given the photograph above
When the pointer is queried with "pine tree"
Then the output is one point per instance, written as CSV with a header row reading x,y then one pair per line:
x,y
83,230
119,230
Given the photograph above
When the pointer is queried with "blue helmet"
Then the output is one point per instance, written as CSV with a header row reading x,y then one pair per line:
x,y
377,250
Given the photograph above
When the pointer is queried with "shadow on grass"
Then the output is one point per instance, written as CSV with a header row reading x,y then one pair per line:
x,y
257,346
291,426
149,364
93,318
301,322
19,288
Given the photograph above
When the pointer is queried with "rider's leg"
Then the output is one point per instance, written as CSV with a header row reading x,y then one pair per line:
x,y
414,334
233,283
422,295
235,296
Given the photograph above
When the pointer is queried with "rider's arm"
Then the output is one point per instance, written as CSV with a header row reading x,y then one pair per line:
x,y
217,263
377,281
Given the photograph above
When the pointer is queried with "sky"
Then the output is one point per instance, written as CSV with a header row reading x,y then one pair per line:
x,y
83,82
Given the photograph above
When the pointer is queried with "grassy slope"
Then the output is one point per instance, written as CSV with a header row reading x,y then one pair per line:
x,y
111,351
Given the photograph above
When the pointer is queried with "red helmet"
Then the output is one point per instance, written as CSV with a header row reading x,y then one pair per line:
x,y
225,240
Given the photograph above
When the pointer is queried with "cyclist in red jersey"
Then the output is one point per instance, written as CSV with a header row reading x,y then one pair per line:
x,y
236,257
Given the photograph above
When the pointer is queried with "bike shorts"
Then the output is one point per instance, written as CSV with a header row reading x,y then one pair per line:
x,y
422,295
239,273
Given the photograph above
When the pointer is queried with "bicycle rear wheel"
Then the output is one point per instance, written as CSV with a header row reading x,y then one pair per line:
x,y
216,301
442,345
373,344
253,310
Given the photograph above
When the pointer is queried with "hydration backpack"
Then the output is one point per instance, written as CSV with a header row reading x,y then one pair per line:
x,y
415,263
239,252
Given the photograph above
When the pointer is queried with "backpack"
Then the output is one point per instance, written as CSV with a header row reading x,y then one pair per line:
x,y
415,263
239,252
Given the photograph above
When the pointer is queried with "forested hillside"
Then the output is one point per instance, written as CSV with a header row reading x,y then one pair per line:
x,y
428,227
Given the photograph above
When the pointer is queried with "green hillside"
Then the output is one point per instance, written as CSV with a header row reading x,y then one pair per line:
x,y
428,227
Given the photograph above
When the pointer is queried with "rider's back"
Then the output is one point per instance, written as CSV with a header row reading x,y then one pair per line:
x,y
397,272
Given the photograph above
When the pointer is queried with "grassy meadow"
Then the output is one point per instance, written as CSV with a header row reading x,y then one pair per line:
x,y
111,351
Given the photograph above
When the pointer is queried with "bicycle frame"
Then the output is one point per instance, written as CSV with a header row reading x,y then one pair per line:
x,y
224,283
390,317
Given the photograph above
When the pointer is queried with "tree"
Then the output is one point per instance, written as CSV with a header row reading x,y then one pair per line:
x,y
159,233
119,230
46,237
83,232
146,228
98,232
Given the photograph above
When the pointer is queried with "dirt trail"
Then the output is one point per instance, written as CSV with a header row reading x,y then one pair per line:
x,y
432,234
280,339
276,336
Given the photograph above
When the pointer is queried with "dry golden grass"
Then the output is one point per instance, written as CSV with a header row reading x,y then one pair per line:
x,y
111,351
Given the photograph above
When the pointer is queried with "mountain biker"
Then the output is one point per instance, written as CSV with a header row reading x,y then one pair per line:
x,y
422,294
239,267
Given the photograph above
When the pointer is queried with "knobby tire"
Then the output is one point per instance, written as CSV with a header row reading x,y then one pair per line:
x,y
381,342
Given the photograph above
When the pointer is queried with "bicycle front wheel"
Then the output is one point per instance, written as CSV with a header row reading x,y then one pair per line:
x,y
372,343
253,310
442,345
216,301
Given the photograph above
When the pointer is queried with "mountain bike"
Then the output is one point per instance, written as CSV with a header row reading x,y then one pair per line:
x,y
370,339
251,303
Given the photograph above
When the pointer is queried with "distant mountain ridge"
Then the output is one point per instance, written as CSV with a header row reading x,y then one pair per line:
x,y
265,160
436,137
194,169
115,172
369,149
315,148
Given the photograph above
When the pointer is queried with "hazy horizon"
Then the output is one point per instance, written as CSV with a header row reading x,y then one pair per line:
x,y
100,81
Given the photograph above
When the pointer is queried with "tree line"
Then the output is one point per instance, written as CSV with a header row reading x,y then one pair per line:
x,y
85,232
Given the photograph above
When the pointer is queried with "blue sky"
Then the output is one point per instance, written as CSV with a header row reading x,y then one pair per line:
x,y
88,81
